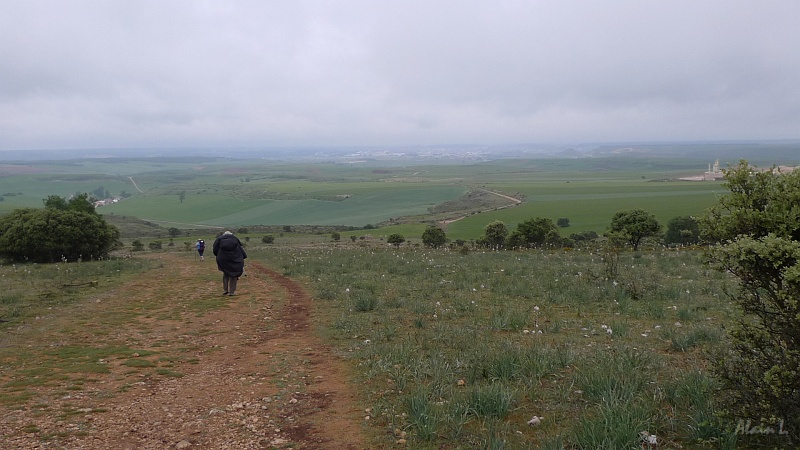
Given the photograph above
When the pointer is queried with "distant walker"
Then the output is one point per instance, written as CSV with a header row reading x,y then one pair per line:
x,y
201,248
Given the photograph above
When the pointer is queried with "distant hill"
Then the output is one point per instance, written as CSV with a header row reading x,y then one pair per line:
x,y
132,227
764,153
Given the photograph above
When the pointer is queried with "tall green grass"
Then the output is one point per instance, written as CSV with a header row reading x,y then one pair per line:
x,y
462,349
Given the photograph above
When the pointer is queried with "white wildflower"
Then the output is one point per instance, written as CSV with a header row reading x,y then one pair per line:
x,y
535,420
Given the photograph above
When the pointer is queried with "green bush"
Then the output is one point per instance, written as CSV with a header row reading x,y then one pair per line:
x,y
395,239
433,237
683,230
756,230
535,232
633,226
54,234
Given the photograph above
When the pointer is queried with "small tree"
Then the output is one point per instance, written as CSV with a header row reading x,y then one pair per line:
x,y
495,233
182,196
81,203
755,228
54,233
683,230
563,222
395,239
174,232
137,245
336,237
534,232
268,239
632,226
433,237
56,202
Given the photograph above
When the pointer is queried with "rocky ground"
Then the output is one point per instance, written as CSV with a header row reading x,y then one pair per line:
x,y
248,375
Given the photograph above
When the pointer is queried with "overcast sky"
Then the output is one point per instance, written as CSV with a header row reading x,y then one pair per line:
x,y
121,74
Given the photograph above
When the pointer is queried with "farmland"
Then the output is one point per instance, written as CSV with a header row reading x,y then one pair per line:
x,y
222,192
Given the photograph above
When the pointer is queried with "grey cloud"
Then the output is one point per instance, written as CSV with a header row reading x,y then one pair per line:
x,y
116,74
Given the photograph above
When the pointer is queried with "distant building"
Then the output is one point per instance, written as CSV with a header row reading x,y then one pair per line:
x,y
715,169
713,172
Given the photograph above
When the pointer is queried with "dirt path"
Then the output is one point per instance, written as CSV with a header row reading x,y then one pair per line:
x,y
515,200
247,375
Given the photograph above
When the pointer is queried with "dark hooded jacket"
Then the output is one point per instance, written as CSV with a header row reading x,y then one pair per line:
x,y
230,255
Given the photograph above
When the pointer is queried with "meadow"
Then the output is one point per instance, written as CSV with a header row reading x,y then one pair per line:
x,y
462,349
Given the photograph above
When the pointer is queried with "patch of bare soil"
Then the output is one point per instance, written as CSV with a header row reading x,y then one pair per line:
x,y
248,375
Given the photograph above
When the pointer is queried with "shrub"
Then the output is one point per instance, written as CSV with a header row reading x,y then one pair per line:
x,y
395,239
494,235
534,232
633,226
758,241
53,234
683,230
584,236
434,237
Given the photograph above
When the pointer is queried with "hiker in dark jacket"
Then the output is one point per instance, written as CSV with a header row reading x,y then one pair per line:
x,y
230,260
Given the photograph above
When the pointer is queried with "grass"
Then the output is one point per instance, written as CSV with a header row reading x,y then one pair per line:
x,y
481,341
30,289
50,337
230,193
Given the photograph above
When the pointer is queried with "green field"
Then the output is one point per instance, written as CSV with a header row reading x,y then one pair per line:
x,y
221,192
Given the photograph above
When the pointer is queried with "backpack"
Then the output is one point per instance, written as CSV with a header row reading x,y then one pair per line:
x,y
202,245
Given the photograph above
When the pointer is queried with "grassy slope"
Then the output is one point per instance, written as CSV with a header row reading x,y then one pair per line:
x,y
479,342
